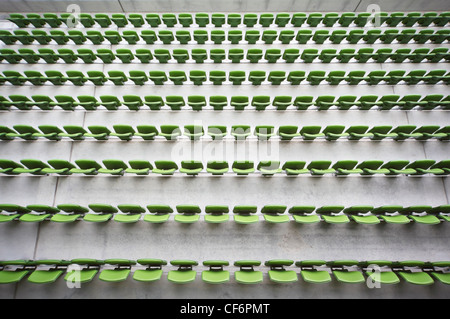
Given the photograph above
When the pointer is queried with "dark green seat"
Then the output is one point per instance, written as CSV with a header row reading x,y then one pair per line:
x,y
202,19
260,102
175,102
264,132
154,102
183,36
252,36
256,77
162,55
177,77
181,55
199,55
194,132
86,167
272,55
236,77
139,78
139,167
290,55
197,102
165,167
217,132
170,132
269,168
201,36
235,55
239,102
234,36
217,55
187,214
158,77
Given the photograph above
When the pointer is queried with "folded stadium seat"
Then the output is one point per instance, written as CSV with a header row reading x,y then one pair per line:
x,y
198,55
13,271
71,213
166,36
362,214
61,167
217,55
191,167
420,167
388,102
77,36
269,36
183,36
18,19
89,268
243,167
217,167
7,37
36,77
197,77
256,77
194,132
177,77
96,37
295,168
316,77
152,272
239,102
76,77
288,132
236,55
12,168
243,214
154,102
170,132
41,36
310,273
38,213
201,36
217,132
98,132
291,55
98,78
86,167
422,214
286,36
278,273
236,77
158,77
144,55
101,213
303,102
320,36
320,168
412,272
136,20
14,77
202,19
7,134
185,19
149,36
175,102
139,78
346,55
272,55
342,271
234,36
47,276
276,77
216,214
357,132
165,167
158,213
332,214
119,273
364,55
25,132
304,214
275,214
298,19
129,213
10,212
113,167
406,35
392,214
162,55
74,132
381,271
396,167
60,37
440,168
187,213
216,274
439,271
28,55
282,102
184,274
356,77
123,132
372,36
217,77
117,77
24,37
42,168
269,168
246,273
139,167
334,132
153,19
251,36
381,132
327,55
346,167
369,167
264,132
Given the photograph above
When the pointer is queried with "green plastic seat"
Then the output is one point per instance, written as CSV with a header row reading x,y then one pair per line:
x,y
166,36
86,167
304,214
235,55
184,274
10,212
234,36
218,102
102,19
243,214
272,55
185,19
385,275
412,272
269,168
290,55
197,102
439,272
187,214
170,132
298,19
218,19
39,276
216,274
169,19
243,167
88,269
153,19
260,102
191,167
266,19
332,214
201,36
13,271
117,77
256,77
110,102
362,214
269,36
295,168
310,273
422,214
286,36
181,55
149,36
158,213
276,77
217,55
175,102
216,214
346,167
342,271
278,273
217,167
129,213
24,37
183,36
76,77
334,132
124,55
217,132
120,272
19,19
246,273
165,167
202,19
303,36
10,167
38,213
320,167
144,55
236,77
139,78
152,272
275,214
69,214
250,19
217,77
239,102
139,167
251,36
295,78
136,20
199,55
158,77
101,213
119,19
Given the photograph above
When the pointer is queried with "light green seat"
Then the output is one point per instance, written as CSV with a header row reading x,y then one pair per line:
x,y
412,272
13,271
9,212
119,273
130,213
165,167
385,275
72,212
88,269
278,273
39,276
331,214
362,215
216,213
342,271
187,213
243,214
392,214
153,271
304,214
439,272
158,213
422,214
310,273
269,168
275,214
246,273
38,213
101,213
184,274
216,274
295,168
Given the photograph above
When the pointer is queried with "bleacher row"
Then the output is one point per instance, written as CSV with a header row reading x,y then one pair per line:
x,y
221,102
281,19
220,132
291,55
237,77
118,167
100,213
84,270
252,36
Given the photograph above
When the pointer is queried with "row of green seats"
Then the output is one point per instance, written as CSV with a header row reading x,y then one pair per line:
x,y
219,102
219,132
236,77
107,56
84,270
281,19
251,36
117,167
332,214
